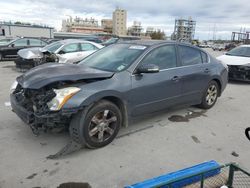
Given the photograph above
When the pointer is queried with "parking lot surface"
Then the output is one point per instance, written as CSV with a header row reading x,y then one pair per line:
x,y
159,143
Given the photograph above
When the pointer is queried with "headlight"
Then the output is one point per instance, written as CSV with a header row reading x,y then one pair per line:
x,y
13,86
62,96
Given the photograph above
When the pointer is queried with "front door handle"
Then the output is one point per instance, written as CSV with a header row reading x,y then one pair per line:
x,y
175,78
207,71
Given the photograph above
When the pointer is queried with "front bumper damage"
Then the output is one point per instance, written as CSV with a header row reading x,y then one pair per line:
x,y
49,120
239,72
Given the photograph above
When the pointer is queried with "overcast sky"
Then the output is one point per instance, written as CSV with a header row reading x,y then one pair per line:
x,y
221,16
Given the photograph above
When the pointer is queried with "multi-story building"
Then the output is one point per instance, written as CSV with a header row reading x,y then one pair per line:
x,y
149,31
18,29
184,30
107,25
79,25
135,29
120,22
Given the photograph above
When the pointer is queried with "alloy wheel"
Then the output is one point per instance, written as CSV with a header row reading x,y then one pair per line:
x,y
211,94
102,126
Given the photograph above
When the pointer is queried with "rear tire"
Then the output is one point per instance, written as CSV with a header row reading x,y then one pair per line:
x,y
210,95
98,126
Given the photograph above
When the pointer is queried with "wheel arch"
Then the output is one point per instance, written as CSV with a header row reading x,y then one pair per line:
x,y
219,84
121,105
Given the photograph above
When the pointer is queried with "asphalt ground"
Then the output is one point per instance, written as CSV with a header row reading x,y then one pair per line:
x,y
151,146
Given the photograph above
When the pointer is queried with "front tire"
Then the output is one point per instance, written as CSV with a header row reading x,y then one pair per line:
x,y
98,126
210,95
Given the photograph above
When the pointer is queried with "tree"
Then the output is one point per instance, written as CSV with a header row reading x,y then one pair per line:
x,y
157,35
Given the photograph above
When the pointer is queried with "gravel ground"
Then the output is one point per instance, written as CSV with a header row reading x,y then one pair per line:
x,y
151,146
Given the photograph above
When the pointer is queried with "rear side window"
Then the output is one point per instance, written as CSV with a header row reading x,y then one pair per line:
x,y
35,42
164,57
204,57
21,42
87,47
189,56
69,48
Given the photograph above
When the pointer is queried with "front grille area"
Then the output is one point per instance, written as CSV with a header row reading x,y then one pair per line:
x,y
34,100
239,72
22,63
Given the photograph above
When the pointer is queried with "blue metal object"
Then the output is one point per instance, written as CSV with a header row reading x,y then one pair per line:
x,y
207,169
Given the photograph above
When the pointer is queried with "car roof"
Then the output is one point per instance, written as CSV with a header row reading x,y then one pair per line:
x,y
245,45
68,41
153,42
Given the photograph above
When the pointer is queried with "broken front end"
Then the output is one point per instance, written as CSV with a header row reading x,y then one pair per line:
x,y
239,72
41,108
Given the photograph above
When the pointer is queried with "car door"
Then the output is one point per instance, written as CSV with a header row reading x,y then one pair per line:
x,y
195,74
36,43
86,49
154,91
69,53
13,48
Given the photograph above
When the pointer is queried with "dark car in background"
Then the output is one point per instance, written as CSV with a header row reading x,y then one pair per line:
x,y
117,39
94,98
10,49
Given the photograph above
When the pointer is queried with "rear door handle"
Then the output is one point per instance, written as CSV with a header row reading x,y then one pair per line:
x,y
175,78
207,71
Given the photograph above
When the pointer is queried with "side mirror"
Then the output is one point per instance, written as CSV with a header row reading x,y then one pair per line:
x,y
149,68
61,52
12,45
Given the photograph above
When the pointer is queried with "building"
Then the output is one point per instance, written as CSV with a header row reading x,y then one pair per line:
x,y
184,30
18,29
107,25
80,25
135,29
120,22
149,31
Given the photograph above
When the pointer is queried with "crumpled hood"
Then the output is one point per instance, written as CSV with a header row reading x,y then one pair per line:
x,y
30,53
49,73
234,60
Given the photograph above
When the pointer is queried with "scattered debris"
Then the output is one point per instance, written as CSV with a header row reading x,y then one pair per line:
x,y
52,172
235,154
71,147
43,143
213,133
187,117
31,176
57,163
135,131
195,139
44,171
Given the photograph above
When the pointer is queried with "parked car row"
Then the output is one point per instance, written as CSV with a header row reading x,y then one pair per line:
x,y
65,51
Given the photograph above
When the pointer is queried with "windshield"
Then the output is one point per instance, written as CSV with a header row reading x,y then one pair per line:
x,y
114,58
5,41
240,51
52,47
111,40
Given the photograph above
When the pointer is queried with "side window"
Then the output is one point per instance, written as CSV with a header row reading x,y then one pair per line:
x,y
21,42
204,57
164,57
69,48
189,55
87,47
35,42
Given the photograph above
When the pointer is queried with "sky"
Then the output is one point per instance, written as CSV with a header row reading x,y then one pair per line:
x,y
214,18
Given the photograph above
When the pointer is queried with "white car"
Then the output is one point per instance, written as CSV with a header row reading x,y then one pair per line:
x,y
64,51
238,62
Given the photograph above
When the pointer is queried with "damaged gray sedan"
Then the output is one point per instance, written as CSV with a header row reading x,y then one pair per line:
x,y
100,94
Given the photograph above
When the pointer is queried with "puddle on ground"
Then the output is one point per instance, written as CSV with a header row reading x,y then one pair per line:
x,y
74,185
187,117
